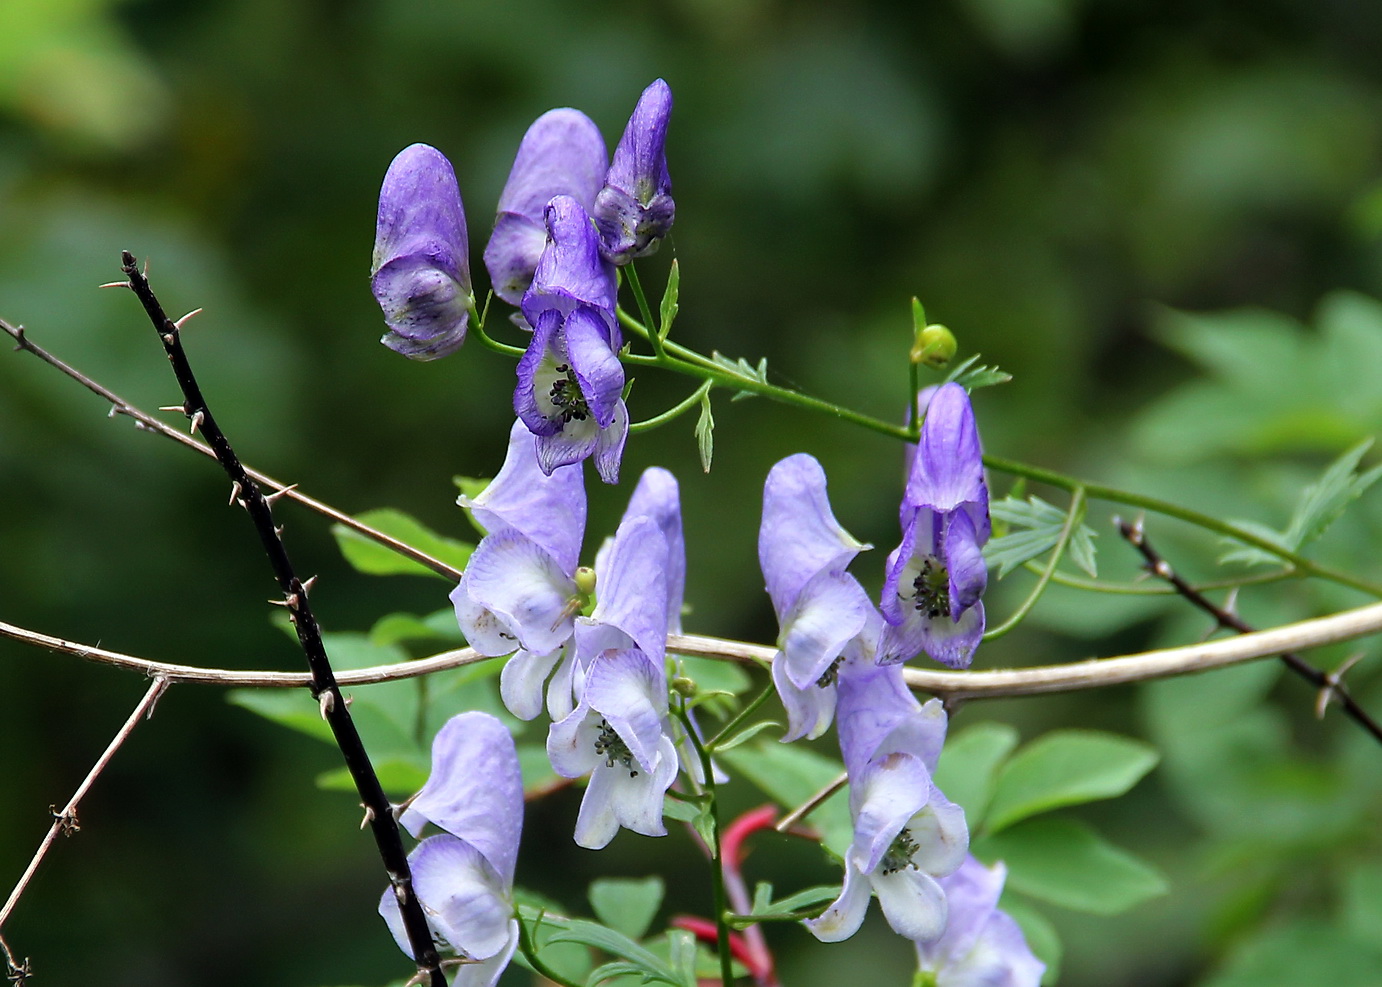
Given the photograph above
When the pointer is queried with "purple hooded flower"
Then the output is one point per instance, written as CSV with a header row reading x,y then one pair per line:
x,y
824,615
907,834
421,270
935,577
635,209
561,154
570,380
464,876
520,592
981,946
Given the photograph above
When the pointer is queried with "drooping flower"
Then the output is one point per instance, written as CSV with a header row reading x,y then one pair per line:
x,y
570,379
907,834
421,270
522,589
635,210
981,946
561,154
824,615
618,734
463,877
936,576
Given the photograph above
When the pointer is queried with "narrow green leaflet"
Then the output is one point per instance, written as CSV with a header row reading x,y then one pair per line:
x,y
1039,526
374,559
969,764
1321,504
969,375
643,961
784,909
1066,767
627,905
669,307
742,368
705,433
1066,863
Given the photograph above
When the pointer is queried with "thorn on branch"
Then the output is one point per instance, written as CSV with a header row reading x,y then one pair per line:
x,y
197,420
1334,683
235,491
369,816
326,703
116,284
270,498
183,321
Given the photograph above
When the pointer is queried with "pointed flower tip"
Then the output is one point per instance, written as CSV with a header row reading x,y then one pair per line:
x,y
635,210
421,269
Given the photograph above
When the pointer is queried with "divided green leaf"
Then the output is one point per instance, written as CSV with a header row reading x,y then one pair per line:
x,y
742,368
970,376
969,765
1040,527
705,433
667,310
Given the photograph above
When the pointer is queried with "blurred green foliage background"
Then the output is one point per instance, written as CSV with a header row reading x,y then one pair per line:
x,y
1165,219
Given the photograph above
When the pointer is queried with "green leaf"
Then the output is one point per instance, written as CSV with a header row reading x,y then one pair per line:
x,y
396,776
1066,767
667,310
617,944
742,368
395,628
1066,863
1040,525
374,559
969,765
627,905
790,775
748,733
291,708
1321,504
1305,952
705,433
970,377
764,908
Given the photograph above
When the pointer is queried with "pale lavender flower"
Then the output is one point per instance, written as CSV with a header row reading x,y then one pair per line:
x,y
823,614
936,576
519,592
421,270
464,876
907,834
635,210
561,154
618,734
570,379
981,946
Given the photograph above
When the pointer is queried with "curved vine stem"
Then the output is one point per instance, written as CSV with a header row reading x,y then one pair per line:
x,y
674,412
1072,518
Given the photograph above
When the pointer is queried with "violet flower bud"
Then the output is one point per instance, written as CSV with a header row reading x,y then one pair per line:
x,y
421,270
635,209
561,154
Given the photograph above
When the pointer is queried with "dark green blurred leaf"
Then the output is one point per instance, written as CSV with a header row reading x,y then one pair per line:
x,y
1066,767
627,905
969,764
1304,952
791,774
1066,863
648,963
374,559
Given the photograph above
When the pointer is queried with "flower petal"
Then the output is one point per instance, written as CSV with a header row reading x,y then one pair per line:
x,y
657,496
846,913
809,710
799,536
524,589
630,691
913,903
467,906
948,470
475,789
826,615
631,588
631,798
884,798
522,679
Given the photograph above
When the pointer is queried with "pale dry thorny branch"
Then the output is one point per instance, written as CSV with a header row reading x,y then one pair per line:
x,y
65,819
1093,673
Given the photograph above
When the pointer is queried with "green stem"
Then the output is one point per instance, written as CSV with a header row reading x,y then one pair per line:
x,y
654,338
717,868
674,412
525,944
734,724
1096,491
1072,518
477,328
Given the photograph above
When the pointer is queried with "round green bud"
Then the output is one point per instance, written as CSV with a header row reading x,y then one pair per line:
x,y
683,686
935,346
585,580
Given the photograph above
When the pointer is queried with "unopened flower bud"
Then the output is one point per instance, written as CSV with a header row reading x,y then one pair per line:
x,y
934,346
684,686
585,581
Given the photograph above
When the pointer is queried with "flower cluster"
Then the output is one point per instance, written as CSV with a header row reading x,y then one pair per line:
x,y
566,218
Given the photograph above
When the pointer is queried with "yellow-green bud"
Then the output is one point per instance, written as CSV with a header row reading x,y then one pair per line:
x,y
935,346
585,580
683,686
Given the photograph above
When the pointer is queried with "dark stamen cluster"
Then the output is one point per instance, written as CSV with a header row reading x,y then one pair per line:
x,y
567,397
932,588
831,675
899,855
612,746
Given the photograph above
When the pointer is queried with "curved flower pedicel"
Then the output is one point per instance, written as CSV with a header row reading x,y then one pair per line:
x,y
570,380
981,946
464,876
635,210
521,589
561,154
907,834
823,613
421,270
936,576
